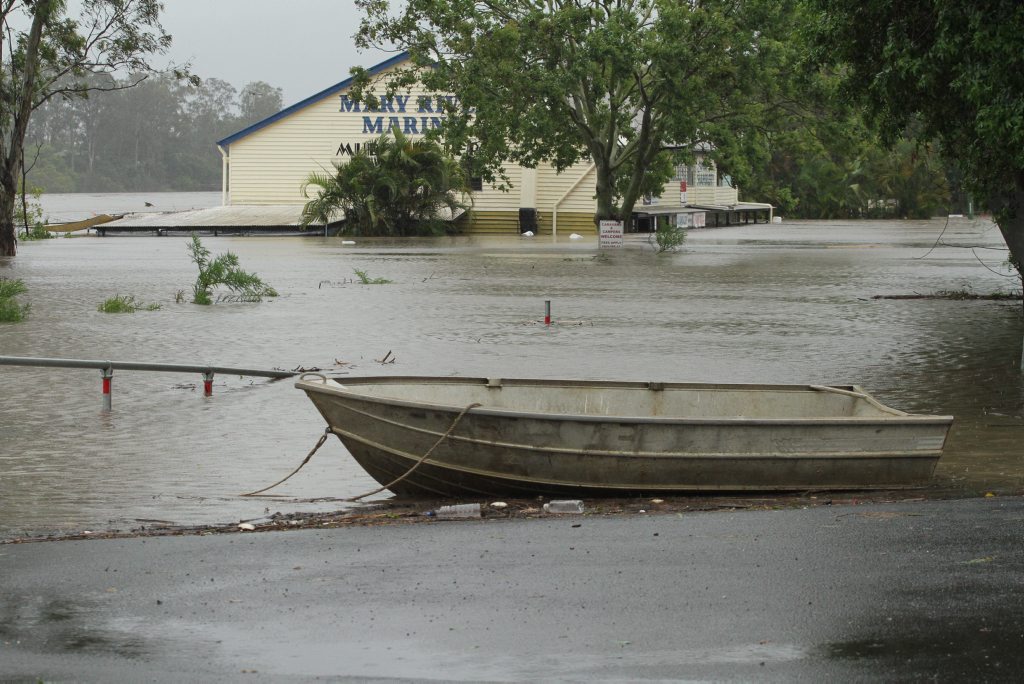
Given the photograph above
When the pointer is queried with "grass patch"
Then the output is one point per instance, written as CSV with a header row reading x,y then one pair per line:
x,y
125,304
367,280
10,310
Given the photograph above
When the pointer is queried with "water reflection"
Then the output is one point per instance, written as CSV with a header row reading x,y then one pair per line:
x,y
760,303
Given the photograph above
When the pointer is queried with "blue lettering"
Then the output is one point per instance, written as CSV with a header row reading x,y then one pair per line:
x,y
386,105
425,104
393,123
348,105
402,100
371,125
410,125
435,122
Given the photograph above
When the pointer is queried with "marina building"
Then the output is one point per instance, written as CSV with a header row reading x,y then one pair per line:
x,y
265,166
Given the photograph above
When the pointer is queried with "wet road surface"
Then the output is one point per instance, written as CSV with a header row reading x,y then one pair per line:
x,y
899,592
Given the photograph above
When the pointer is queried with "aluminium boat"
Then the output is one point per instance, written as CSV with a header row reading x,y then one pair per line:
x,y
453,436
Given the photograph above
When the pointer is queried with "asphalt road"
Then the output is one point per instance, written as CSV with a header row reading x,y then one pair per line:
x,y
910,591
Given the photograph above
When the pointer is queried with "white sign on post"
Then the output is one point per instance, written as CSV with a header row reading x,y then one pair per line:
x,y
610,234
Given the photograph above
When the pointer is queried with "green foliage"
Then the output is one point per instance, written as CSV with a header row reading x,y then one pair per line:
x,y
29,215
957,69
667,237
125,304
10,310
403,187
367,280
565,81
224,270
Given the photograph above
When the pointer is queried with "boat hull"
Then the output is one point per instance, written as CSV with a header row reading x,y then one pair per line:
x,y
505,452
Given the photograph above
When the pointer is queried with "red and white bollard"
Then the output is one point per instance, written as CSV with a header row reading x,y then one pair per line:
x,y
208,384
108,379
547,312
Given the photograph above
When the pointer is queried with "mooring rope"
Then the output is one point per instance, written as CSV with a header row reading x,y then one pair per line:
x,y
423,458
407,473
320,443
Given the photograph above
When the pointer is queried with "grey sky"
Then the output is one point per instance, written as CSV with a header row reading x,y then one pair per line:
x,y
300,46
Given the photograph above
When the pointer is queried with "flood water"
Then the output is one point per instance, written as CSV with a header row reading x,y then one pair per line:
x,y
760,303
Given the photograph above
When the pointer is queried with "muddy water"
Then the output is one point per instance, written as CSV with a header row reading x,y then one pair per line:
x,y
780,303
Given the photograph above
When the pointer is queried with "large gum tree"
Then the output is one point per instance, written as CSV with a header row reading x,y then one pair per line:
x,y
955,67
45,52
614,82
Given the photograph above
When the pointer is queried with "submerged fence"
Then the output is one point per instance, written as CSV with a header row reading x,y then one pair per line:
x,y
107,369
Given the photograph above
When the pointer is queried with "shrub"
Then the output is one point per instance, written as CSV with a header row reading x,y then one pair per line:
x,y
10,310
224,270
668,237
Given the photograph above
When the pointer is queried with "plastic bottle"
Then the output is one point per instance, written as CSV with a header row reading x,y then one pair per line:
x,y
458,511
568,506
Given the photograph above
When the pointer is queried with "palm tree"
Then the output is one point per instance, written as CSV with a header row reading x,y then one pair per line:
x,y
393,186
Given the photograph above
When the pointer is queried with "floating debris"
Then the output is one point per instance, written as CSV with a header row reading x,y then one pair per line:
x,y
458,511
565,506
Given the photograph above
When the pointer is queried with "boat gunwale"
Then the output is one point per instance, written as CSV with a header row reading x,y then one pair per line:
x,y
896,417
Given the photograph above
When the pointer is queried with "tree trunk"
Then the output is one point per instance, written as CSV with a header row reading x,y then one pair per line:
x,y
1010,219
20,101
8,231
605,192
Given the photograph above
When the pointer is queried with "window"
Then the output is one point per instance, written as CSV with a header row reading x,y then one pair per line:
x,y
705,176
683,173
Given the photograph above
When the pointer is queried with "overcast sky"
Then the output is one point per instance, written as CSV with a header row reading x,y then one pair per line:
x,y
300,46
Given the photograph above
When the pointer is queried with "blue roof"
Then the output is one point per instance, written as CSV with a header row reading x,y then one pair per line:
x,y
288,111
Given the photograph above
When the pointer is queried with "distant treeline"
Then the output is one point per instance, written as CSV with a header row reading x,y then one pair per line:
x,y
158,135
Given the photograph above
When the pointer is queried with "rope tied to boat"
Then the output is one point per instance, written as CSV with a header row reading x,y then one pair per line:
x,y
319,443
423,458
407,473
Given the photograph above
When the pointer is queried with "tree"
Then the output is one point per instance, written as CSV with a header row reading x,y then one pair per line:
x,y
958,68
54,57
613,81
397,187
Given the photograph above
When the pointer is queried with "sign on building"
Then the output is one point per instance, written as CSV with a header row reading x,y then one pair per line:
x,y
610,234
682,191
692,219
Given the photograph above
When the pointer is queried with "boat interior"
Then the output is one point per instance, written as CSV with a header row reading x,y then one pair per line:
x,y
640,399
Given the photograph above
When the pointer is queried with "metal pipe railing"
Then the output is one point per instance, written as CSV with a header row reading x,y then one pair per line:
x,y
107,369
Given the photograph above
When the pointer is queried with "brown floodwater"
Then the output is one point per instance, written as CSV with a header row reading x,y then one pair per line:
x,y
766,303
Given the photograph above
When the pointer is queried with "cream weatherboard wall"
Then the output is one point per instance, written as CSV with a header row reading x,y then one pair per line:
x,y
268,163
